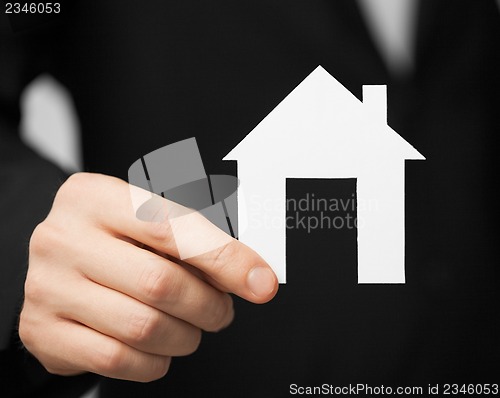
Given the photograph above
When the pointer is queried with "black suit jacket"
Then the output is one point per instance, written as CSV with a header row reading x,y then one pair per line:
x,y
147,74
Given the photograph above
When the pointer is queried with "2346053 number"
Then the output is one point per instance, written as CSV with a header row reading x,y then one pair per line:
x,y
32,8
470,389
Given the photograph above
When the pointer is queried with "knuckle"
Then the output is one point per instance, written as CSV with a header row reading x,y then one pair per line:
x,y
159,368
34,287
161,232
37,240
59,371
193,343
43,239
75,185
159,284
223,314
110,360
143,327
51,370
26,331
223,256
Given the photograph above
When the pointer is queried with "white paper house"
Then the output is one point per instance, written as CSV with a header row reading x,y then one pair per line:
x,y
321,130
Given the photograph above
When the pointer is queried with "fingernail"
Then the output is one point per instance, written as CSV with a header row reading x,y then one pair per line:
x,y
261,281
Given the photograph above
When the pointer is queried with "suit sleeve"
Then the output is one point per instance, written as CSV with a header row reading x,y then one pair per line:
x,y
27,181
28,184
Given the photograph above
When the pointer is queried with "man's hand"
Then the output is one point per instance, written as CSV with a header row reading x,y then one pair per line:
x,y
105,293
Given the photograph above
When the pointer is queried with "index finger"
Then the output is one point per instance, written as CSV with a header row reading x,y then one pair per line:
x,y
185,234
